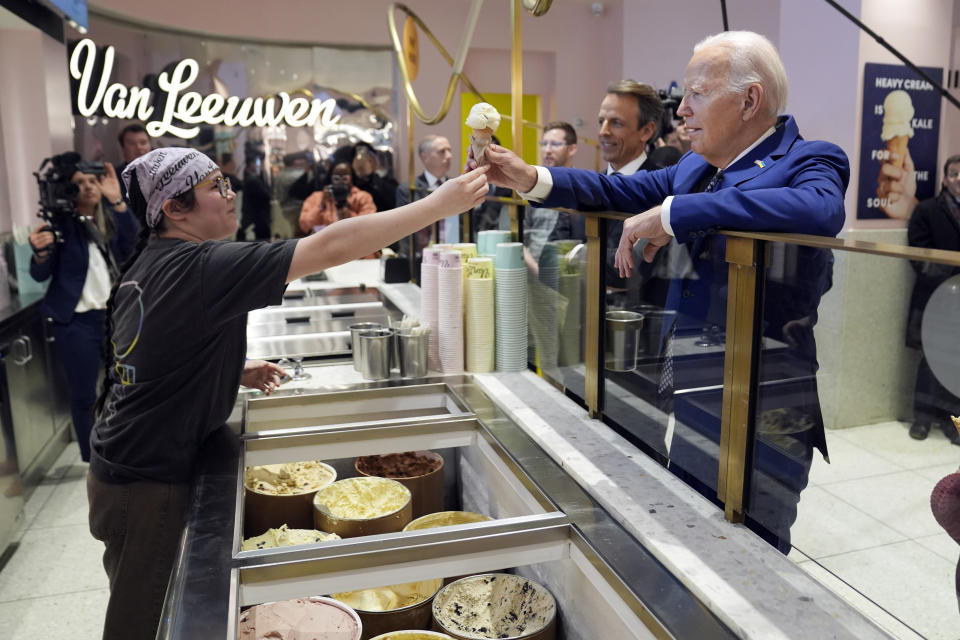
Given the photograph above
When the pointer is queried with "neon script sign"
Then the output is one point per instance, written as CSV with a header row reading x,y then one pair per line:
x,y
95,95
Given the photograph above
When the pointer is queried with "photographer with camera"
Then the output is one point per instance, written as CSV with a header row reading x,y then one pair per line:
x,y
340,199
86,233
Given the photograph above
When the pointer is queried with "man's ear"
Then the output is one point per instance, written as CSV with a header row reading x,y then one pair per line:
x,y
573,149
648,130
753,98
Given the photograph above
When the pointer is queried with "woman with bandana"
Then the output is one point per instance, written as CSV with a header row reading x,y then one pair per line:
x,y
176,323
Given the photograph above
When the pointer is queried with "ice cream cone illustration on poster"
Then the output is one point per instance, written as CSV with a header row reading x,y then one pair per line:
x,y
484,120
897,131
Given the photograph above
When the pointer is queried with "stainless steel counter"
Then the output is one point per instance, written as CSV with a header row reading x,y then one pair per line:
x,y
546,528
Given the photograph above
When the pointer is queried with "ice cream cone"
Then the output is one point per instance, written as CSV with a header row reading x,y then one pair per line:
x,y
897,145
956,422
479,140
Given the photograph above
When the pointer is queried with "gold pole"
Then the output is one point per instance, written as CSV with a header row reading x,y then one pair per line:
x,y
592,346
745,257
516,101
411,171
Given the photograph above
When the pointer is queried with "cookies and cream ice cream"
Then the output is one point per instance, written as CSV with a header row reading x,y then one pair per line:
x,y
495,605
284,537
398,596
484,120
897,124
362,498
314,618
290,478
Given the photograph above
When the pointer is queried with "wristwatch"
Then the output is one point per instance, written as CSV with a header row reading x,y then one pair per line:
x,y
117,203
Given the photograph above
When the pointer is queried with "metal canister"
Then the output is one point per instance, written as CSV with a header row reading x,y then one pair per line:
x,y
412,348
355,329
376,353
622,339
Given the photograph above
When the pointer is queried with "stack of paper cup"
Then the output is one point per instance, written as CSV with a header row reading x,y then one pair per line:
x,y
488,241
549,268
511,311
429,291
481,317
450,312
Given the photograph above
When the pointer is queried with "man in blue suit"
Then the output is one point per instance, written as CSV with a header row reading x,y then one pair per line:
x,y
749,169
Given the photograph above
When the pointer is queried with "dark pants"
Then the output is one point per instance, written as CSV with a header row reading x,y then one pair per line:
x,y
932,402
77,345
140,523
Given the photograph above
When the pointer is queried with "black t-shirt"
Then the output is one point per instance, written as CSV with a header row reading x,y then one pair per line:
x,y
179,324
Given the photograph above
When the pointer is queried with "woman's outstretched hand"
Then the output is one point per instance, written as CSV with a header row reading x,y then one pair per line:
x,y
462,193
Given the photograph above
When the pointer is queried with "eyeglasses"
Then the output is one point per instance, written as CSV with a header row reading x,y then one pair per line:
x,y
223,184
552,144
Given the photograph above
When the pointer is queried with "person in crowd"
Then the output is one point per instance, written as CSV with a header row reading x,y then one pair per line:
x,y
750,170
558,145
935,224
176,328
436,155
134,142
79,268
257,210
629,119
342,199
369,178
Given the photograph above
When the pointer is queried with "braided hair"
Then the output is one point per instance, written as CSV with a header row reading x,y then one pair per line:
x,y
138,205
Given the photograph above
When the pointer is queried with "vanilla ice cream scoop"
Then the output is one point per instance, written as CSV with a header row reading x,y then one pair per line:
x,y
897,115
484,120
483,116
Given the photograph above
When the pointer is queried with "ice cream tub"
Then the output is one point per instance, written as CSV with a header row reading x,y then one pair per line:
x,y
446,519
419,471
362,507
394,608
314,617
495,605
282,494
413,635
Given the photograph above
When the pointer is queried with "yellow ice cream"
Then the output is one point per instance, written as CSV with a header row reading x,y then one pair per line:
x,y
390,598
284,537
445,519
897,115
289,478
362,498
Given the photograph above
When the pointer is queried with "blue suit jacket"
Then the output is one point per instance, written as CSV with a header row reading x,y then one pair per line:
x,y
68,263
799,189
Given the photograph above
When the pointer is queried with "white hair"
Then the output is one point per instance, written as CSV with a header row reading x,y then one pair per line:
x,y
753,59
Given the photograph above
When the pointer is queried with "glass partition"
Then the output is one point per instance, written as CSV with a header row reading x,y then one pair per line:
x,y
859,360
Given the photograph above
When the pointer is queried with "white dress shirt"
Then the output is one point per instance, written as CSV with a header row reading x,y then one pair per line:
x,y
545,182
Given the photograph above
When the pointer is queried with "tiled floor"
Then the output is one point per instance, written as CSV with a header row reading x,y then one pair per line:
x,y
53,586
864,528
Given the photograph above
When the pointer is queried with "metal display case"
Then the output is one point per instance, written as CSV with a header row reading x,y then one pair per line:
x,y
545,526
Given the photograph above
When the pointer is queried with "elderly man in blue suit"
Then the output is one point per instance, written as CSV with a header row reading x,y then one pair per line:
x,y
749,169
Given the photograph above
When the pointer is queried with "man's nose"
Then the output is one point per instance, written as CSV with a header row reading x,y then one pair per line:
x,y
684,108
605,128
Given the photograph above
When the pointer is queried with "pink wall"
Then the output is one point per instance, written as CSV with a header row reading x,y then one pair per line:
x,y
580,53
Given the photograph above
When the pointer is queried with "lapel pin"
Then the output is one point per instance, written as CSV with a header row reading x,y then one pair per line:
x,y
759,163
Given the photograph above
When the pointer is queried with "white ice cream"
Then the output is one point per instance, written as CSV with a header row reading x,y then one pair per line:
x,y
897,115
483,116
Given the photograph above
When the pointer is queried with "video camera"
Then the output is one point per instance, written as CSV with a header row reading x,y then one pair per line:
x,y
58,194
